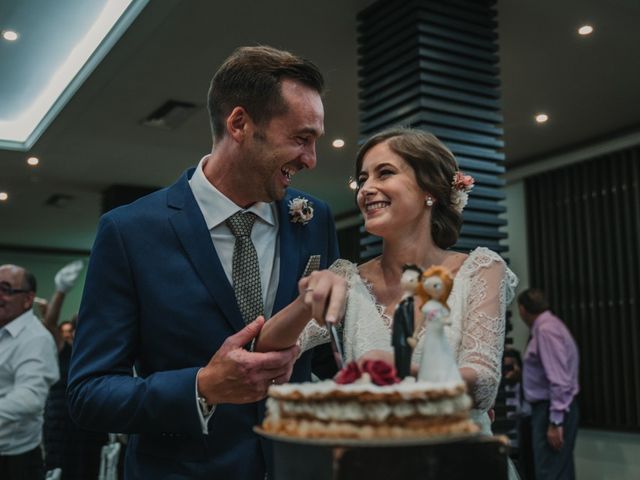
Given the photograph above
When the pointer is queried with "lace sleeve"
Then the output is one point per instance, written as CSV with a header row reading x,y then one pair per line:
x,y
314,334
491,289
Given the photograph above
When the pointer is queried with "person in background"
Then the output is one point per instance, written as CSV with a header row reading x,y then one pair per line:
x,y
521,413
28,368
74,450
550,383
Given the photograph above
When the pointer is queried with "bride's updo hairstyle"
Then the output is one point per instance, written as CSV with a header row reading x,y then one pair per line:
x,y
434,166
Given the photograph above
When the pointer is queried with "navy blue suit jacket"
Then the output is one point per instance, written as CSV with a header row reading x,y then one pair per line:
x,y
156,296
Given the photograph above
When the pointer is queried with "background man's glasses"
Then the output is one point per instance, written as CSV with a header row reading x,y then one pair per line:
x,y
7,289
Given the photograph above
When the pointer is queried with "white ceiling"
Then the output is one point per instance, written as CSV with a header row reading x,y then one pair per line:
x,y
586,85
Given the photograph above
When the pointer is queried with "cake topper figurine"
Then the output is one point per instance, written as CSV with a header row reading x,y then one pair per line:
x,y
403,318
438,363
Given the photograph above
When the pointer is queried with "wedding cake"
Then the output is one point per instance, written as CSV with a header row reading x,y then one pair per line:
x,y
368,402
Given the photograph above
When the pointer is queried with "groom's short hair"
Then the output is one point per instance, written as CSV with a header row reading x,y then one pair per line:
x,y
251,78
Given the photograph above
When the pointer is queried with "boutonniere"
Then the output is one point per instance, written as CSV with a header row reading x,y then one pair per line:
x,y
300,210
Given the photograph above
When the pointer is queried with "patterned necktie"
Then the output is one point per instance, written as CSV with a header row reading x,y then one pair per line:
x,y
245,268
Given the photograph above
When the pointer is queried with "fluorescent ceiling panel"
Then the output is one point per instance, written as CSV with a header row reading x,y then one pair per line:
x,y
60,44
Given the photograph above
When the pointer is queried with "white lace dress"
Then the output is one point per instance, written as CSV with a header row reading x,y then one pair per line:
x,y
482,289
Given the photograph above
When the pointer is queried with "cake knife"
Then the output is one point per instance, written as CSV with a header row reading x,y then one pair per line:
x,y
314,264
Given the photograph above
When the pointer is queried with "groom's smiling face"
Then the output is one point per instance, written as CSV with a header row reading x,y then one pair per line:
x,y
286,144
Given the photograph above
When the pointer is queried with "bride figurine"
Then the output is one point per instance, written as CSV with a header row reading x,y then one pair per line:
x,y
438,363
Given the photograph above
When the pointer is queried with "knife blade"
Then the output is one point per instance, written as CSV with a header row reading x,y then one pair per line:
x,y
335,345
313,264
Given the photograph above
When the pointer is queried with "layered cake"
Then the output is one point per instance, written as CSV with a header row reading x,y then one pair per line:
x,y
366,405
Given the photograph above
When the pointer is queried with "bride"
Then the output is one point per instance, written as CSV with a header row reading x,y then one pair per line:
x,y
411,194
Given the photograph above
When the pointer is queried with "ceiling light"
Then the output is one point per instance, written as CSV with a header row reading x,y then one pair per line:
x,y
3,196
9,35
338,143
542,117
33,161
353,183
585,30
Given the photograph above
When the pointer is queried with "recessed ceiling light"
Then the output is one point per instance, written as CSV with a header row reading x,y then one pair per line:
x,y
542,117
338,143
9,35
353,184
33,161
585,30
3,196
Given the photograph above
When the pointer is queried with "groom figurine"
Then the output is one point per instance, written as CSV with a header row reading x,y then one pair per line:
x,y
177,279
403,319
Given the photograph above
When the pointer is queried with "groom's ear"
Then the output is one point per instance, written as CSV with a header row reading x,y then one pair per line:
x,y
238,124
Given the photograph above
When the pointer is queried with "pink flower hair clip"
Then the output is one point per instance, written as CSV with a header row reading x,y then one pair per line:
x,y
461,185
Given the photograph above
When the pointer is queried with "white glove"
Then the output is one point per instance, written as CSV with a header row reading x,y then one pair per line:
x,y
66,278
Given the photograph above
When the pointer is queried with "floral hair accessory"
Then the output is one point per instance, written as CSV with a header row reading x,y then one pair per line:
x,y
300,210
461,185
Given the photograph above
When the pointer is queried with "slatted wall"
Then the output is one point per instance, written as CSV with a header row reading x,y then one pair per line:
x,y
433,65
584,251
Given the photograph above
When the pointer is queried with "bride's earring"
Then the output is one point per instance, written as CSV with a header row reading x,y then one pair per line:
x,y
429,202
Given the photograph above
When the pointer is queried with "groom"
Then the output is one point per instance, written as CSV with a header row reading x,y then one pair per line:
x,y
165,295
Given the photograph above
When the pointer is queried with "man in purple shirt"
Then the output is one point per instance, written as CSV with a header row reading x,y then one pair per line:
x,y
550,382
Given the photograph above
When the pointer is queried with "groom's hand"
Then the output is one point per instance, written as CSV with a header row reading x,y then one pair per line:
x,y
235,375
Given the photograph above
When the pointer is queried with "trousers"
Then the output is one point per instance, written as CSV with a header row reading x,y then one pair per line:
x,y
551,464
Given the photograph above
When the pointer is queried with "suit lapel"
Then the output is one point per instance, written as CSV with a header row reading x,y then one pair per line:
x,y
191,230
290,256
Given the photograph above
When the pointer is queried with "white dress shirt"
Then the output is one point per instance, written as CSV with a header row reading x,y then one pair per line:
x,y
216,209
28,367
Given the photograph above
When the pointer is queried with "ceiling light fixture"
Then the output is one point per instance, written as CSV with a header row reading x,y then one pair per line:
x,y
3,196
33,161
338,143
9,35
585,30
87,39
353,183
542,117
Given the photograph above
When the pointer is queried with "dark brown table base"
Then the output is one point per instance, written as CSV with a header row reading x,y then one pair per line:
x,y
478,457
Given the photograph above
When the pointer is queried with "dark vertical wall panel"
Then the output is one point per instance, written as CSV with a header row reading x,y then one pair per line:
x,y
433,65
584,239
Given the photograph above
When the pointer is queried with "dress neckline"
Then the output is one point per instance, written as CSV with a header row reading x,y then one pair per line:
x,y
464,269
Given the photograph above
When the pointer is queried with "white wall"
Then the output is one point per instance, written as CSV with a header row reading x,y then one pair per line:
x,y
600,455
518,259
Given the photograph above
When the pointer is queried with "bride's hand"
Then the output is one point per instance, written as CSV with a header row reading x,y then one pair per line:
x,y
324,294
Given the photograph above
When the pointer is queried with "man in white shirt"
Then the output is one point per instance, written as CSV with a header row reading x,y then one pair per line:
x,y
163,293
28,367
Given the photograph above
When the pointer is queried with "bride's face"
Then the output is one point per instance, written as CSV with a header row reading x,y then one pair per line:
x,y
389,196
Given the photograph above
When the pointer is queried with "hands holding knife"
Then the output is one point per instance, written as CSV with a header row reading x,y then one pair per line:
x,y
325,293
322,296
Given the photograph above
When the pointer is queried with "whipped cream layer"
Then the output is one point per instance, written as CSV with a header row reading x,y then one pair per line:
x,y
408,389
373,411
